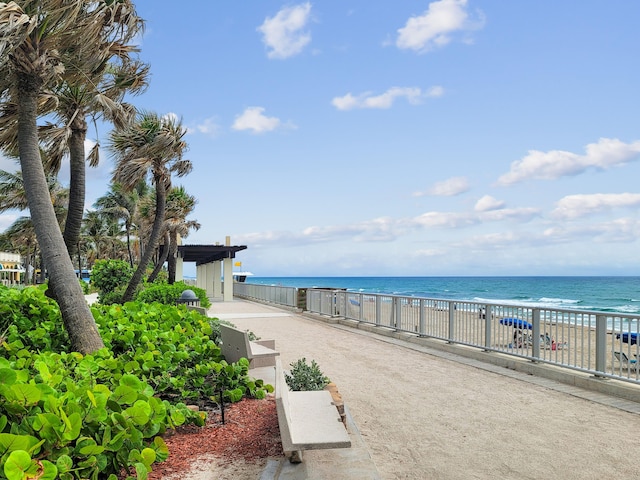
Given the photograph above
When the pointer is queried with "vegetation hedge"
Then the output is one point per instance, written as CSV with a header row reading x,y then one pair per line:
x,y
170,294
71,416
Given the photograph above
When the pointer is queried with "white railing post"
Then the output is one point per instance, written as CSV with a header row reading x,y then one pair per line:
x,y
488,317
452,311
535,333
601,343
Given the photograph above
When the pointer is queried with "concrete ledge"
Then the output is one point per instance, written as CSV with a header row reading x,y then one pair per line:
x,y
307,420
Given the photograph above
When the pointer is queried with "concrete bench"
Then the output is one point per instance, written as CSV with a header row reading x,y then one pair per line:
x,y
236,345
307,420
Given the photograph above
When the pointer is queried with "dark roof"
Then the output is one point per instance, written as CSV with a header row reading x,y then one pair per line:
x,y
202,254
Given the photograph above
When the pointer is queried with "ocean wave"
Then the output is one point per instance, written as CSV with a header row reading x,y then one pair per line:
x,y
559,300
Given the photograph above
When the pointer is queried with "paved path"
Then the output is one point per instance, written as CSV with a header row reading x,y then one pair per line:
x,y
432,415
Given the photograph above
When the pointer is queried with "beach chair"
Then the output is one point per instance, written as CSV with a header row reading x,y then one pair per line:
x,y
625,361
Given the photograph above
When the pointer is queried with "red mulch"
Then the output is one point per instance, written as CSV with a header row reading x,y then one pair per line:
x,y
250,432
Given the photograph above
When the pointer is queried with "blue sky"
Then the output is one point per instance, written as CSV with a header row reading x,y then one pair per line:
x,y
453,137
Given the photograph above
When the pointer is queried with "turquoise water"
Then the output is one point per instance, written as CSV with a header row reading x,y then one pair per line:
x,y
607,294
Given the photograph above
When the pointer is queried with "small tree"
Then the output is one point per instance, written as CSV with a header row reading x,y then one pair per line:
x,y
109,275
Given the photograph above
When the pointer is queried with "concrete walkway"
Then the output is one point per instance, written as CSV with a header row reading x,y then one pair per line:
x,y
421,413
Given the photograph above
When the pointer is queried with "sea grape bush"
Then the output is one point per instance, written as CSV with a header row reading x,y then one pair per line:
x,y
169,294
107,275
68,416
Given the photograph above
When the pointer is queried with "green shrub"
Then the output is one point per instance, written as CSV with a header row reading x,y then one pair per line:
x,y
68,416
109,298
169,294
306,377
108,275
86,288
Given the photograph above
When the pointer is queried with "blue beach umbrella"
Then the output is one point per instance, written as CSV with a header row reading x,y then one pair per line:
x,y
516,322
630,338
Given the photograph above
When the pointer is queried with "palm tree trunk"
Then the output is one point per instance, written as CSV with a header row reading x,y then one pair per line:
x,y
171,262
162,258
156,232
77,170
76,315
128,229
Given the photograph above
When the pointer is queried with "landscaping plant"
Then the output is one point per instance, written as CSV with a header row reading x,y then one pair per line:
x,y
71,416
305,377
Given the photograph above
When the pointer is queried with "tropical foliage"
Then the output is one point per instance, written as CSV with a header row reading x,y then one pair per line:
x,y
72,416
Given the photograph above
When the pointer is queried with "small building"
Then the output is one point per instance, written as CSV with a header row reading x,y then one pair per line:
x,y
11,269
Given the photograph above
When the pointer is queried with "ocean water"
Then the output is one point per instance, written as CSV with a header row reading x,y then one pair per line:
x,y
607,294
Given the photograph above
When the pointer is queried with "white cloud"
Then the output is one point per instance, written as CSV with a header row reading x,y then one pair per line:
x,y
447,188
444,220
436,26
284,34
554,164
253,119
413,95
488,203
574,206
520,214
208,127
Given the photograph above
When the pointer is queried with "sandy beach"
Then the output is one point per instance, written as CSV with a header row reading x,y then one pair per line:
x,y
426,416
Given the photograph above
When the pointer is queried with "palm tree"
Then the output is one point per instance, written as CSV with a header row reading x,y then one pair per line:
x,y
152,145
123,206
99,95
35,38
179,205
13,197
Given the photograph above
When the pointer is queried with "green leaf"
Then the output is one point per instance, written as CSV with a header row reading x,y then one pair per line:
x,y
17,465
177,417
161,449
138,413
8,376
10,442
25,394
73,426
148,456
131,381
49,471
87,447
142,471
125,395
64,463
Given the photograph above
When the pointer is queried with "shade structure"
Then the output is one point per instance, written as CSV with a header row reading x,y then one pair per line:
x,y
628,337
516,322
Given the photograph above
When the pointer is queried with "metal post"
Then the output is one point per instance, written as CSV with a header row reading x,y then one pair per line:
x,y
601,343
488,314
536,333
452,311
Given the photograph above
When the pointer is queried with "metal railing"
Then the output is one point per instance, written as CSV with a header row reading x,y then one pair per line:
x,y
287,296
600,343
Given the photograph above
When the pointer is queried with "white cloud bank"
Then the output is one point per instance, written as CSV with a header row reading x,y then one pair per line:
x,y
607,153
253,119
447,188
386,100
284,35
435,27
575,206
